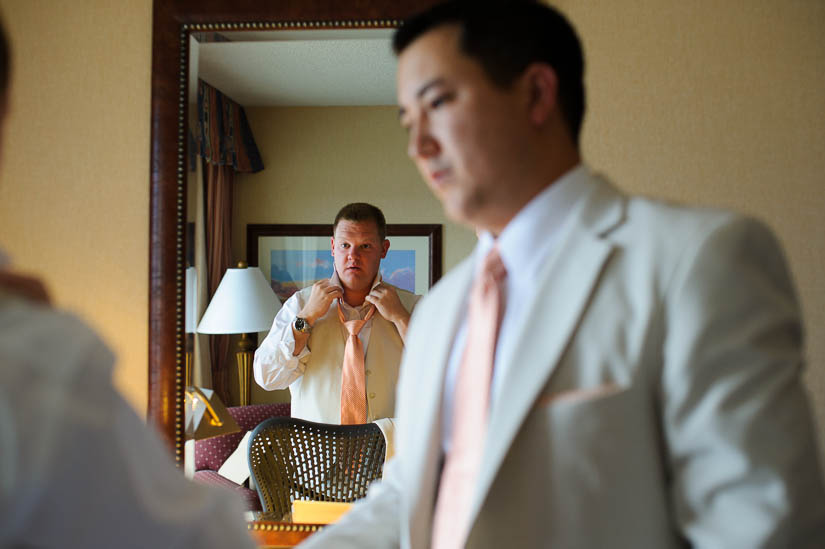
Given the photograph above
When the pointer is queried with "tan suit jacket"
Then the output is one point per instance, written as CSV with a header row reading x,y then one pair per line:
x,y
654,399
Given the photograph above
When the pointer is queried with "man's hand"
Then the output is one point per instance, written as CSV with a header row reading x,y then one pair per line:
x,y
320,298
28,287
322,295
389,306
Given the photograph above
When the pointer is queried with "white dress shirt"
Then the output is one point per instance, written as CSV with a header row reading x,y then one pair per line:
x,y
314,376
275,365
525,244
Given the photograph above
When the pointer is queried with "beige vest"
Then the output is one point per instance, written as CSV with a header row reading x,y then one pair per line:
x,y
316,395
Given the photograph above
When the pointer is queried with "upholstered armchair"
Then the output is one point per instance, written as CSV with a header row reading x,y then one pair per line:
x,y
210,453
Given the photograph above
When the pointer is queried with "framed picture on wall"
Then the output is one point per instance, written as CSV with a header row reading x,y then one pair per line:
x,y
292,257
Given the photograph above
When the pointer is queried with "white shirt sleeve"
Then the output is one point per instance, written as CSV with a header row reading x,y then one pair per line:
x,y
274,366
78,467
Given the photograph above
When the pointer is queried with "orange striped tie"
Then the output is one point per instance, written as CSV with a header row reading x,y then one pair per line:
x,y
471,406
353,381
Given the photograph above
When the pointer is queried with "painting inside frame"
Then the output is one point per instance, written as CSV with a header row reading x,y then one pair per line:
x,y
292,257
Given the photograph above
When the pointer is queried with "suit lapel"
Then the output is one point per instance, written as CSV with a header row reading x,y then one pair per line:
x,y
563,290
429,355
437,341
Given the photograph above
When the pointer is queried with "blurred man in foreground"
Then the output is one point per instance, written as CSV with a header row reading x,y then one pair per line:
x,y
603,370
78,468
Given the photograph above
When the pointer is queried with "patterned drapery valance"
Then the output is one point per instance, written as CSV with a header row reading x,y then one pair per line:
x,y
224,137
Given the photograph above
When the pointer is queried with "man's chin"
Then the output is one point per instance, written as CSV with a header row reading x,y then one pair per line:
x,y
355,280
457,210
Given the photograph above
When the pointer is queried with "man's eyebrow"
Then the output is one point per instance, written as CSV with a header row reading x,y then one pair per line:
x,y
437,81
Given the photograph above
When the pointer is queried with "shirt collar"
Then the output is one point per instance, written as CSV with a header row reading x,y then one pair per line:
x,y
529,237
335,281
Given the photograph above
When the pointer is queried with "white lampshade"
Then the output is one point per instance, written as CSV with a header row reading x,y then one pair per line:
x,y
243,304
191,310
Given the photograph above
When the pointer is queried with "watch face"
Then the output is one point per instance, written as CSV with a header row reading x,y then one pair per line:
x,y
301,325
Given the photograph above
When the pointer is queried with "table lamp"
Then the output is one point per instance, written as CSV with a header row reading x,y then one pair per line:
x,y
243,303
205,414
190,323
205,417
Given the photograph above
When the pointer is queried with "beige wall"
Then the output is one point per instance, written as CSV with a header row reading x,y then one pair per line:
x,y
74,192
706,102
318,159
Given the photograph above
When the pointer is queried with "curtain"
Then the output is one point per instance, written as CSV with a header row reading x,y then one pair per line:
x,y
226,145
218,191
224,135
202,374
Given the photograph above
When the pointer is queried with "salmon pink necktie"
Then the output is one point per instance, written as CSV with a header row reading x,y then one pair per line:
x,y
353,380
470,409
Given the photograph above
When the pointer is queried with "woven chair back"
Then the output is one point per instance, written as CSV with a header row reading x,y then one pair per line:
x,y
293,459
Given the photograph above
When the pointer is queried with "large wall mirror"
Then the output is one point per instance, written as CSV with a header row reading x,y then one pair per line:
x,y
176,25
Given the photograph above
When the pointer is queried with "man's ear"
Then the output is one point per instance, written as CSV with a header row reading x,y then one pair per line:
x,y
542,85
386,248
332,245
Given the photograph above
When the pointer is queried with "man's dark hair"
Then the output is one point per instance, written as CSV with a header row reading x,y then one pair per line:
x,y
361,211
5,61
505,36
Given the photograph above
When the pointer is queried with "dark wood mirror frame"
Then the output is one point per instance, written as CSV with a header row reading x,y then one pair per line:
x,y
173,21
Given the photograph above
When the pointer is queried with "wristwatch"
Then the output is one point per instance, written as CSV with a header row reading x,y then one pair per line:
x,y
301,325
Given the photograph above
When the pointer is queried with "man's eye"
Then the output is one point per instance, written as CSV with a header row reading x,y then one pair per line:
x,y
440,100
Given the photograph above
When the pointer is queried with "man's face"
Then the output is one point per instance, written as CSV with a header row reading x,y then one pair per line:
x,y
465,133
357,250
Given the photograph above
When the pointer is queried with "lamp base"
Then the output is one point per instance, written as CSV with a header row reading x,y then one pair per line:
x,y
245,356
190,360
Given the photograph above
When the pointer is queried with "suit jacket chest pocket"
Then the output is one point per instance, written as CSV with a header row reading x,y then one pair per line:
x,y
600,441
589,419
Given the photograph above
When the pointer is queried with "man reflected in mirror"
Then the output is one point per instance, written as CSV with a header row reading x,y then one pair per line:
x,y
337,344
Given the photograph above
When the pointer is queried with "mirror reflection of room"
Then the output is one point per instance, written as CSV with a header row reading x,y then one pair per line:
x,y
322,144
306,147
